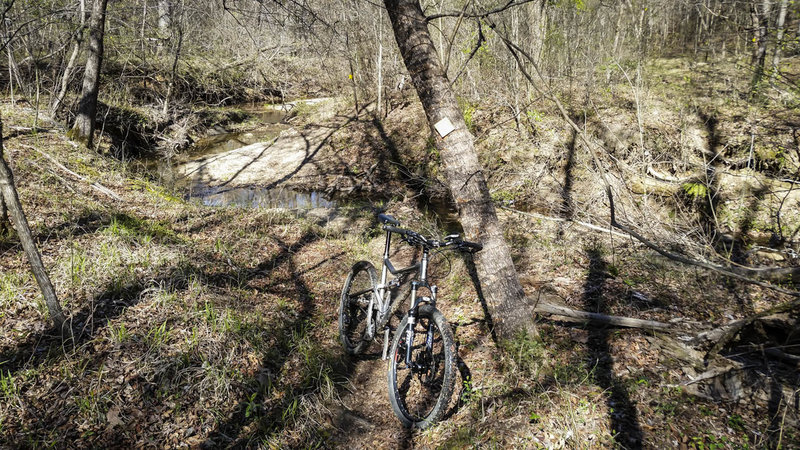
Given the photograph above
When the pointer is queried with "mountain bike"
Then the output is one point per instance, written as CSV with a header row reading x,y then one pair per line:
x,y
422,358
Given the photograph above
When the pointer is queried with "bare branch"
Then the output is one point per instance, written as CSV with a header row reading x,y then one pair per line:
x,y
481,40
586,225
602,319
482,14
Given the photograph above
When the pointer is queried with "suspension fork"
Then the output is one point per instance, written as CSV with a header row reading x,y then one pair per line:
x,y
380,294
412,312
412,320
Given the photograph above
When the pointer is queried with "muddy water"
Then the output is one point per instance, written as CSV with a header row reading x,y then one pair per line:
x,y
247,197
255,197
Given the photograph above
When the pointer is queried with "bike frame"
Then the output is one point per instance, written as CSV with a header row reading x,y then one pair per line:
x,y
382,294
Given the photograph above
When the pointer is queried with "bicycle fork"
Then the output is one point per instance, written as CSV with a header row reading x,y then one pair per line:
x,y
412,320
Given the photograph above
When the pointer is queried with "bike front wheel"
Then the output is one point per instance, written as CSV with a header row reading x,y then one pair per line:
x,y
420,394
357,297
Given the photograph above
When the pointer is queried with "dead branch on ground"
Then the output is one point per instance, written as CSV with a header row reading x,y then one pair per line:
x,y
93,184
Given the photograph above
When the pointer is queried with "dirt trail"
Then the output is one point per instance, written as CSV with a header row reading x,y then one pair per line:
x,y
366,419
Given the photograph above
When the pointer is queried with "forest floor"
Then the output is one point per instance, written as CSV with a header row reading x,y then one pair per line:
x,y
217,326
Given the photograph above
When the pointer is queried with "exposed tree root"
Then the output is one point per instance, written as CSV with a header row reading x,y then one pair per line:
x,y
721,336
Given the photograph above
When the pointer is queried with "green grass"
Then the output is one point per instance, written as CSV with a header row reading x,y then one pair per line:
x,y
212,328
119,333
158,336
8,386
140,230
11,291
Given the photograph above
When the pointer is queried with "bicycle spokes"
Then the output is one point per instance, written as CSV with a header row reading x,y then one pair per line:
x,y
419,383
354,309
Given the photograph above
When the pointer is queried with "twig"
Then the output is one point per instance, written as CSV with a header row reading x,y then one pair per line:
x,y
715,372
719,269
729,331
478,44
60,178
774,352
483,14
95,185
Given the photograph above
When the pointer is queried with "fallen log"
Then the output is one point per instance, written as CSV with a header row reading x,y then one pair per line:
x,y
601,319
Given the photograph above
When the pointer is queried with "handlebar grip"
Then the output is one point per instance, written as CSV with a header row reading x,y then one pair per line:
x,y
385,218
472,246
396,230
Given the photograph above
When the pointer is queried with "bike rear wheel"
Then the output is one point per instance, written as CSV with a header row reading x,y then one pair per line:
x,y
420,395
357,296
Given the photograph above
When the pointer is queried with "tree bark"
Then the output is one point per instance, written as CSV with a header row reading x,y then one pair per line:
x,y
761,24
164,24
69,69
511,312
779,25
83,130
3,214
9,194
164,17
379,64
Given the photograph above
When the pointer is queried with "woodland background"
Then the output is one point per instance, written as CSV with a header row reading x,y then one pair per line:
x,y
190,331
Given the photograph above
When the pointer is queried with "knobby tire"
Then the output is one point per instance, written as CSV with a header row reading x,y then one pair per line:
x,y
420,398
357,292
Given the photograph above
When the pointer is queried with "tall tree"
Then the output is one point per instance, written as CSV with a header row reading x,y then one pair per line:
x,y
83,130
9,193
761,26
69,68
511,312
779,25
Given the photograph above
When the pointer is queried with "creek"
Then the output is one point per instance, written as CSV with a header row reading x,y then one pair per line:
x,y
302,202
221,141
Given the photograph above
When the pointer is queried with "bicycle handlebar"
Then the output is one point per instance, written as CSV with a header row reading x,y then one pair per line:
x,y
473,246
392,229
385,218
415,239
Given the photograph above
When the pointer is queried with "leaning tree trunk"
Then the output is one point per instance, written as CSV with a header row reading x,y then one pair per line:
x,y
510,310
9,194
83,130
